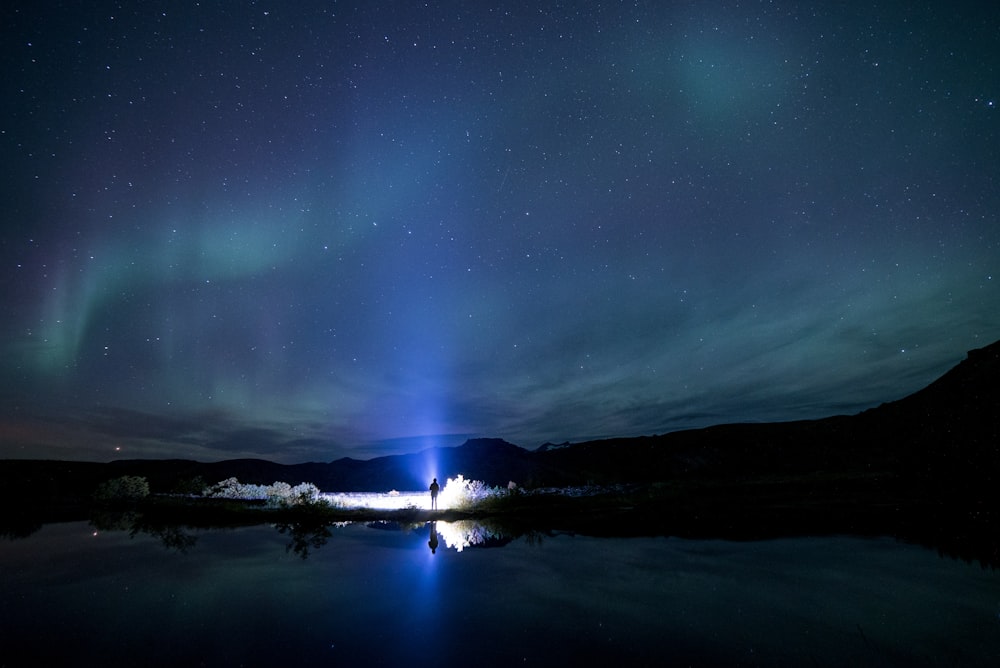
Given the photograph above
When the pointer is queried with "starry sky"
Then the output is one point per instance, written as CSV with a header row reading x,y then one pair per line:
x,y
308,230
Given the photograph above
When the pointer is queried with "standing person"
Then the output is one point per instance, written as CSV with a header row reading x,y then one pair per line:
x,y
435,488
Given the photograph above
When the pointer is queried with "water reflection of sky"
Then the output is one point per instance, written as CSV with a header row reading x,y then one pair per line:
x,y
381,596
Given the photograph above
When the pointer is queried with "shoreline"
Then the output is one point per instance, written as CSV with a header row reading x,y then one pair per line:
x,y
725,510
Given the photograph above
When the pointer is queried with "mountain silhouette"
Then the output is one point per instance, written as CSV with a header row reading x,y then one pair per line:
x,y
943,437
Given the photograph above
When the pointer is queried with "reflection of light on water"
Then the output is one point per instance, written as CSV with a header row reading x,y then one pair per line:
x,y
464,533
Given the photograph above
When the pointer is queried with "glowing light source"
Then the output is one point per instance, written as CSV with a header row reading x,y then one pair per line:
x,y
381,500
452,494
456,493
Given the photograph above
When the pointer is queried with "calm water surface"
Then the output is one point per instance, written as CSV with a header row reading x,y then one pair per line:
x,y
72,595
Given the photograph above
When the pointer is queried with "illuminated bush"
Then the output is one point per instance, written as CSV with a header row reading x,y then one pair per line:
x,y
277,494
231,488
304,493
463,494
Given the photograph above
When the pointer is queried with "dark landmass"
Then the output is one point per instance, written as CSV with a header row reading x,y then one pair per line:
x,y
925,465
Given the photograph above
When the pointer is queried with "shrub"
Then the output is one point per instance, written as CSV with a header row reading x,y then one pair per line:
x,y
125,488
190,486
305,493
463,494
277,494
231,488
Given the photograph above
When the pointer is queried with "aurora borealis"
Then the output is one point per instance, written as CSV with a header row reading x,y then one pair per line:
x,y
308,230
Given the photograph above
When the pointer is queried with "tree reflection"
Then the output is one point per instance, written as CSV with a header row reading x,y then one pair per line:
x,y
114,520
171,535
18,528
305,536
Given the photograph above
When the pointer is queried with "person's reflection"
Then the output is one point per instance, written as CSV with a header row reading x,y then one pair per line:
x,y
433,542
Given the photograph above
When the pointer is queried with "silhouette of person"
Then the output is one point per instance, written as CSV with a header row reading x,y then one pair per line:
x,y
435,488
433,542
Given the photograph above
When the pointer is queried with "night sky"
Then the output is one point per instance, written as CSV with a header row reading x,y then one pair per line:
x,y
307,230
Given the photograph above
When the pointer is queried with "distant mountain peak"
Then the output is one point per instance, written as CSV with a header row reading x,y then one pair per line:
x,y
547,446
488,443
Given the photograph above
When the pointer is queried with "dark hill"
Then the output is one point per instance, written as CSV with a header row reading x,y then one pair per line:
x,y
942,437
948,430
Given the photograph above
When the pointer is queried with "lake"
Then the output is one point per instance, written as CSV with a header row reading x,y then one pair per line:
x,y
71,594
